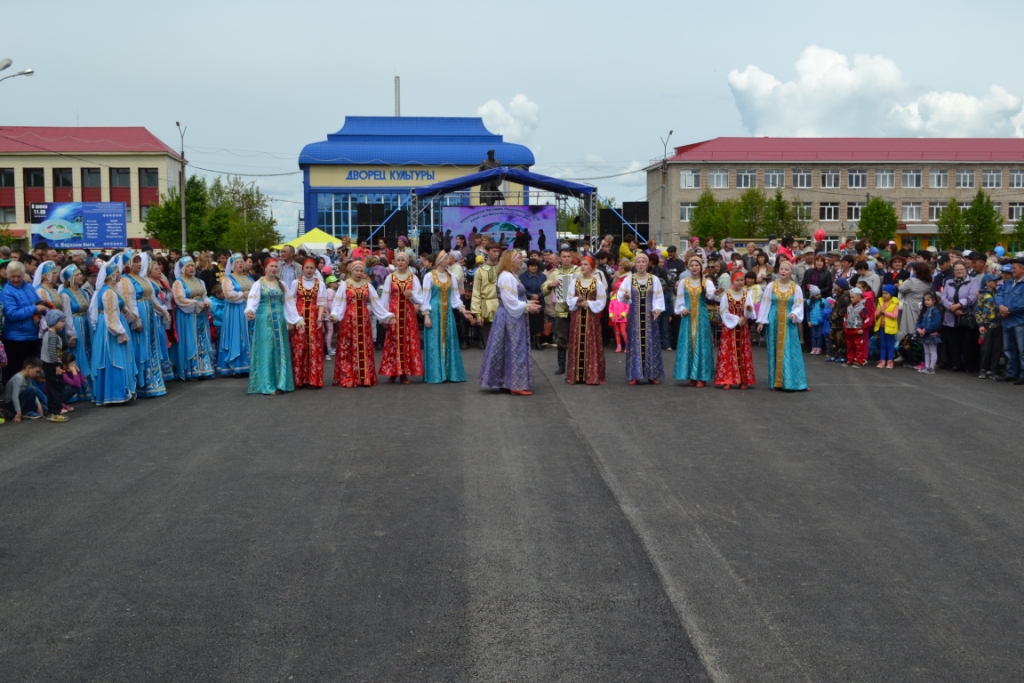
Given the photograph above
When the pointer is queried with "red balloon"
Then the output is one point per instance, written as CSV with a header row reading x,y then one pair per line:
x,y
820,235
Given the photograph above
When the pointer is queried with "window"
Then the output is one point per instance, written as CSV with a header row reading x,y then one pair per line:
x,y
34,177
935,210
1016,211
144,213
149,177
1017,179
991,178
964,206
719,179
6,177
801,178
686,211
857,178
127,213
802,211
828,211
830,178
911,178
120,177
998,206
62,177
938,178
853,210
689,179
746,178
965,178
885,179
8,214
773,179
911,211
90,177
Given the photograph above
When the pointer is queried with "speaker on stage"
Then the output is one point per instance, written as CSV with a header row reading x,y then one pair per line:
x,y
397,226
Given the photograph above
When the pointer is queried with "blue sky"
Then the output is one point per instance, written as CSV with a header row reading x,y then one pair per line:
x,y
589,86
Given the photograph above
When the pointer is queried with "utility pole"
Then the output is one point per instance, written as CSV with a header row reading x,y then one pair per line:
x,y
664,183
181,190
398,96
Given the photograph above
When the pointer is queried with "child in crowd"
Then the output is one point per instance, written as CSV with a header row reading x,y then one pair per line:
x,y
837,335
815,308
826,326
74,381
887,325
20,398
329,341
928,323
853,329
750,285
617,310
990,327
53,365
216,313
870,303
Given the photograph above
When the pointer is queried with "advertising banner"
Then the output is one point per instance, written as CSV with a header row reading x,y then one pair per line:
x,y
80,225
519,225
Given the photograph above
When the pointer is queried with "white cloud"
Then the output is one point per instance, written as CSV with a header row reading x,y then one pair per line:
x,y
635,176
831,97
516,122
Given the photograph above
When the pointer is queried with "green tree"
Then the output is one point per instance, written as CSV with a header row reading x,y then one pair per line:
x,y
1017,238
704,221
983,224
753,214
7,238
877,222
729,221
952,231
780,218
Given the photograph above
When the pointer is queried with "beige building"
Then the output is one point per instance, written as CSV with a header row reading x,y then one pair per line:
x,y
829,180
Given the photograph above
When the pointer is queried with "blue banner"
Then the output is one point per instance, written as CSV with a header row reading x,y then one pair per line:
x,y
80,225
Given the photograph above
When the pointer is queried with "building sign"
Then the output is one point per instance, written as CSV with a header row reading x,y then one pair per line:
x,y
503,224
393,175
383,176
80,225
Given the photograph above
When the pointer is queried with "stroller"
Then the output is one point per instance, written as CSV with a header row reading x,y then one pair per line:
x,y
911,350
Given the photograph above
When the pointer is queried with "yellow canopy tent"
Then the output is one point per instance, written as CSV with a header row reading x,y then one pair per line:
x,y
316,240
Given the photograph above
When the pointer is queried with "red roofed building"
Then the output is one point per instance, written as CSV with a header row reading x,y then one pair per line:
x,y
829,180
83,164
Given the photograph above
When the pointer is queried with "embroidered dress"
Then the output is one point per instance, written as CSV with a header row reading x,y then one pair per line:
x,y
270,364
139,297
585,363
695,355
785,357
643,351
113,363
308,345
507,363
735,356
354,359
235,342
75,305
442,359
165,328
192,354
402,354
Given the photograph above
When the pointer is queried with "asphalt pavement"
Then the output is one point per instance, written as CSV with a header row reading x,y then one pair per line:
x,y
868,530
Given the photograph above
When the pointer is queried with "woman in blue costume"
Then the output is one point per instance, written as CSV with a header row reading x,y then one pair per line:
x,y
271,310
782,310
192,354
75,304
442,359
235,330
642,291
507,363
113,359
695,357
162,302
147,318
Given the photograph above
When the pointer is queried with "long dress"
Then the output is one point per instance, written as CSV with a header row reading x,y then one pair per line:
x,y
402,354
310,296
507,363
785,356
75,305
235,341
695,354
139,297
585,363
270,365
354,360
643,350
442,359
735,356
165,327
192,354
113,363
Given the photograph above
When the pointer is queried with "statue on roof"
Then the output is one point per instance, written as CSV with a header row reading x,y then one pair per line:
x,y
489,192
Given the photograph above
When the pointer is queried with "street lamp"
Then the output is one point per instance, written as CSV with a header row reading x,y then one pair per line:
x,y
664,182
181,188
6,63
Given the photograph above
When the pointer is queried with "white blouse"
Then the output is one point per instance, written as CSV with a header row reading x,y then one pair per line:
x,y
187,306
508,291
252,302
728,319
341,303
385,295
682,299
454,298
595,306
625,292
796,305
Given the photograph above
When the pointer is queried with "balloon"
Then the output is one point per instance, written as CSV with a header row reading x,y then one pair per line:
x,y
820,235
1000,251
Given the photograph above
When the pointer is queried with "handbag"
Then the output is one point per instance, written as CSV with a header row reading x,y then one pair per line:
x,y
967,321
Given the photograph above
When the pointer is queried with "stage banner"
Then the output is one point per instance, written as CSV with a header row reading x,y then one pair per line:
x,y
519,225
80,225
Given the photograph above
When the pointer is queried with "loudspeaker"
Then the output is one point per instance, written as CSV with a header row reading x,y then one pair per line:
x,y
636,212
397,226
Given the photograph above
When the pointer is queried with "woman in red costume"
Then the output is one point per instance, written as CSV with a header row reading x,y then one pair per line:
x,y
401,295
353,304
586,299
735,359
310,294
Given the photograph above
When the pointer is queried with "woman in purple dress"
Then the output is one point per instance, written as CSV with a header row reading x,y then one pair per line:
x,y
642,291
507,357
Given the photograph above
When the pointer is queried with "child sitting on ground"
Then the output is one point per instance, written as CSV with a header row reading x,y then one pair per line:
x,y
20,397
74,380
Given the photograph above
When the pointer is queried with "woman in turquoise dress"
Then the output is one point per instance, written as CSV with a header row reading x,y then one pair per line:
x,y
695,356
271,310
113,359
235,330
148,317
192,353
75,304
442,359
162,306
782,311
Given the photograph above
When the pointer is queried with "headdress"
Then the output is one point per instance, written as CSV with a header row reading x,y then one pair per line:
x,y
230,265
590,260
67,275
179,267
698,259
42,271
738,276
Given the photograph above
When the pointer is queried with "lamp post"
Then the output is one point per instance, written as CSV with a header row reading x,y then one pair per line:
x,y
181,189
664,182
6,63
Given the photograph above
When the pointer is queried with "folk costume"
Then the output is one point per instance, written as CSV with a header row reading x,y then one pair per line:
x,y
442,359
586,299
166,333
644,296
402,295
484,301
785,356
695,355
354,360
146,316
507,363
75,304
270,360
735,356
113,360
192,353
310,296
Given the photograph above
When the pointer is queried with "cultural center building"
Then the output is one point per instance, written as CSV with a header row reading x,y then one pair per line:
x,y
83,164
358,176
830,180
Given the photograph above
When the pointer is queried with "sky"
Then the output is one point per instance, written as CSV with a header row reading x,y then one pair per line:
x,y
591,87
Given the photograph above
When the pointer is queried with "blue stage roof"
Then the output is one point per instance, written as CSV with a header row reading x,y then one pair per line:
x,y
516,175
413,140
